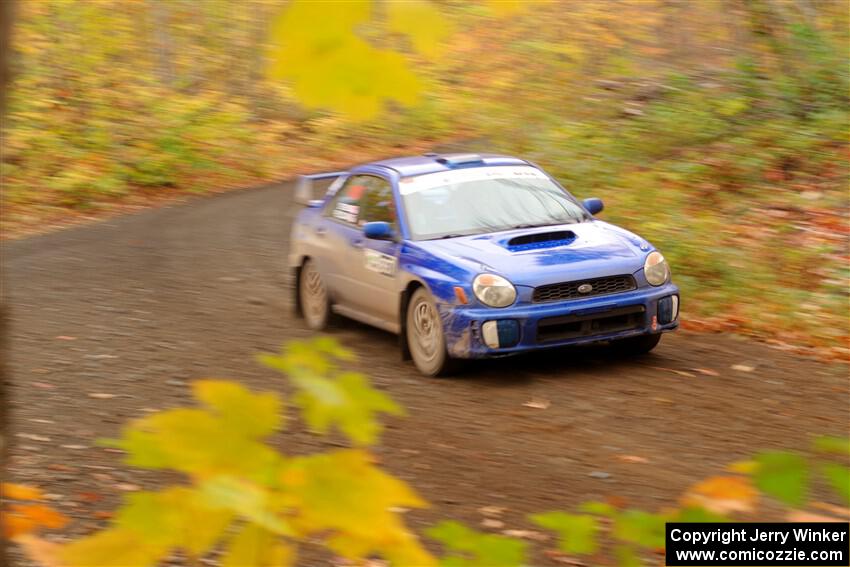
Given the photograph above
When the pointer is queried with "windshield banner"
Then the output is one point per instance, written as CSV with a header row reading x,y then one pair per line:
x,y
418,183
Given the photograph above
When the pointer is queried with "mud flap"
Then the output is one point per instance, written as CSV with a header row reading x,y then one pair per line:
x,y
404,349
296,292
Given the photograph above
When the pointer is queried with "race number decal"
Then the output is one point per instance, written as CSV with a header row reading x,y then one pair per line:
x,y
380,263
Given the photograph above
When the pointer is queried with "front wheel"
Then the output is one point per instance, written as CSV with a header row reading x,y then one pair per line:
x,y
634,346
425,337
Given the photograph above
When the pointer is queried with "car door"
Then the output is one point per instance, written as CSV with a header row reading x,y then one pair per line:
x,y
373,270
339,232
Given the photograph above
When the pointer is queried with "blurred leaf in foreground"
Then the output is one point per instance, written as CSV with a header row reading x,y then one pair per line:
x,y
577,532
422,21
329,396
470,548
831,444
330,66
255,546
839,479
783,475
344,497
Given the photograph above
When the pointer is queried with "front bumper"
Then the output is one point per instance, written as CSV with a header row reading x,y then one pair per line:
x,y
547,325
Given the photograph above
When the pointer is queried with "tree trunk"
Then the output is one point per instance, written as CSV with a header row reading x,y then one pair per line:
x,y
6,13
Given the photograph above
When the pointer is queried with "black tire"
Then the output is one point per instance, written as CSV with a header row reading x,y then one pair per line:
x,y
313,297
425,338
635,346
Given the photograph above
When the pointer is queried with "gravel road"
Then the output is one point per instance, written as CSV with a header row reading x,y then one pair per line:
x,y
113,319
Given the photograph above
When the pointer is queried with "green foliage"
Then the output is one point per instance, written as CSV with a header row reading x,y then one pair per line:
x,y
783,475
831,444
577,533
470,548
838,477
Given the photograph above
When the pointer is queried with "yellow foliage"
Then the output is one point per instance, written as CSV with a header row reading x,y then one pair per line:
x,y
504,8
255,546
345,494
315,46
244,496
113,547
422,21
251,415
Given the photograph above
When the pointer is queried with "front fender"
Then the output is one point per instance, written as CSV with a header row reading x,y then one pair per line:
x,y
439,276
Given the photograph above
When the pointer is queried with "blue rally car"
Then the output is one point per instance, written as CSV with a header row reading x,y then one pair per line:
x,y
472,256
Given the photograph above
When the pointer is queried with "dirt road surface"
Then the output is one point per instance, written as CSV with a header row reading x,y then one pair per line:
x,y
135,307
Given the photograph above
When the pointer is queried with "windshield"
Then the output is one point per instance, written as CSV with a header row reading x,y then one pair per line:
x,y
484,199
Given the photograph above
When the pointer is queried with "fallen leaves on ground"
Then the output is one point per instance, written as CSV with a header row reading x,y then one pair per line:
x,y
706,371
492,510
633,459
722,495
804,516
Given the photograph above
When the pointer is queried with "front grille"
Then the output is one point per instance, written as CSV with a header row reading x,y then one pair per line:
x,y
570,290
604,323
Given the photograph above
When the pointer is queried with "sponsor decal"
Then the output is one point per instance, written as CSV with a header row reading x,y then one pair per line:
x,y
346,212
383,264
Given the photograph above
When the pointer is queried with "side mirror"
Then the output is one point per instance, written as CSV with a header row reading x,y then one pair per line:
x,y
378,230
303,190
305,186
315,204
593,205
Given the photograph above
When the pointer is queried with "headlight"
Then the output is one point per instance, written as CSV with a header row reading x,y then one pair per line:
x,y
493,290
655,269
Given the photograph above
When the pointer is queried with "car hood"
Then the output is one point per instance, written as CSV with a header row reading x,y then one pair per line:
x,y
528,256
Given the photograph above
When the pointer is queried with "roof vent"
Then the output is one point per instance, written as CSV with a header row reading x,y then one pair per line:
x,y
459,159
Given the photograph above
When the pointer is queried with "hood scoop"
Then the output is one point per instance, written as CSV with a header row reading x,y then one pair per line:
x,y
537,240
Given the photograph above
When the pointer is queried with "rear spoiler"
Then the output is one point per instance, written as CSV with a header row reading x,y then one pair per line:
x,y
304,187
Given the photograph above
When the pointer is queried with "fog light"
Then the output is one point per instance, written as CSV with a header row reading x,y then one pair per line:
x,y
500,334
668,309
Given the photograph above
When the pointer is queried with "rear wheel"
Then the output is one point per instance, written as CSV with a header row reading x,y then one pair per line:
x,y
635,346
425,337
313,297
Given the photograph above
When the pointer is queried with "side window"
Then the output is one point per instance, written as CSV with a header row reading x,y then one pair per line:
x,y
345,204
377,204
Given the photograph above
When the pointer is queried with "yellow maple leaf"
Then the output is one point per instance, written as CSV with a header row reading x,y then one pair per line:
x,y
344,494
422,21
252,545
